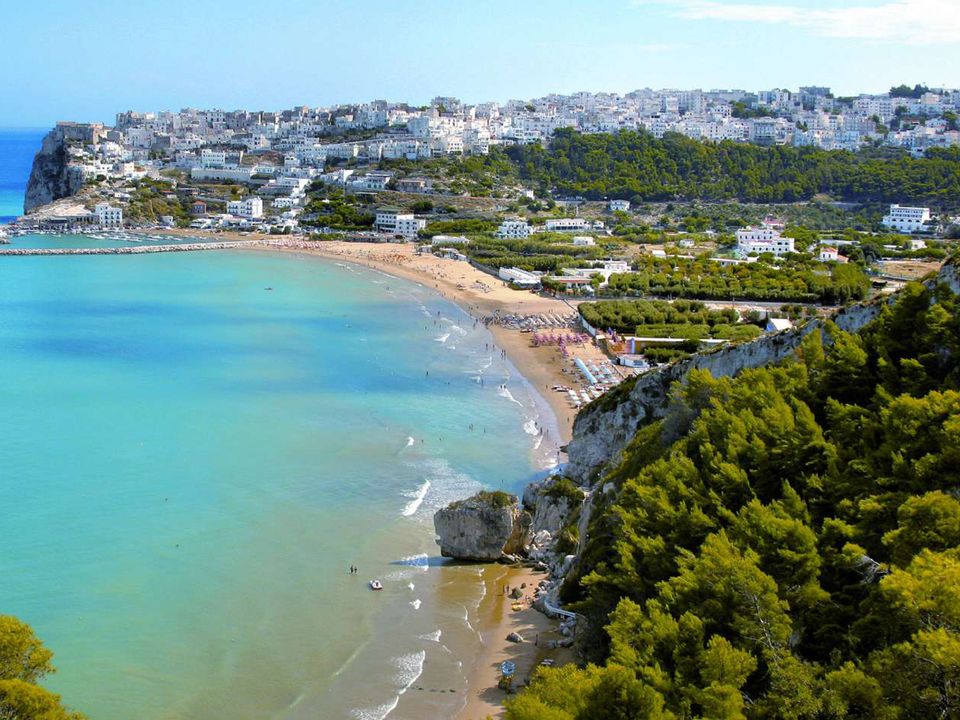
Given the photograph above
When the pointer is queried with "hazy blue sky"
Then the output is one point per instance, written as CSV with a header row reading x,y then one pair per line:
x,y
86,61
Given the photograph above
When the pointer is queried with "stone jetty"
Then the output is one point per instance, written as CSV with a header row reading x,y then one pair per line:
x,y
141,249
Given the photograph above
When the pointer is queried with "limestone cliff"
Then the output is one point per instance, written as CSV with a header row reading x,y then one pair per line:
x,y
604,428
52,176
484,527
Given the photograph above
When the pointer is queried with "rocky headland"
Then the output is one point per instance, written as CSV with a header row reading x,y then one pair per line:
x,y
53,175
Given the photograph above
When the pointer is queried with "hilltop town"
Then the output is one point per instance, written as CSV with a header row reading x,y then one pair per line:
x,y
713,195
282,153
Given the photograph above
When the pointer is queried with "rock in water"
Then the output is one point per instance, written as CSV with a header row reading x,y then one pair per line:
x,y
483,527
515,637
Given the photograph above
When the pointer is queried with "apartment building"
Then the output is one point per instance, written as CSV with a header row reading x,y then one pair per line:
x,y
396,222
907,219
764,239
250,208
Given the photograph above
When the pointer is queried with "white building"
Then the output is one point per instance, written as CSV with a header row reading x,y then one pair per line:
x,y
583,241
906,219
514,229
572,225
213,158
619,205
449,240
616,266
108,216
249,208
831,254
391,220
519,277
764,239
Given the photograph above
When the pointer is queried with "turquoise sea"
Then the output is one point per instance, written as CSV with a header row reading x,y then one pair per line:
x,y
196,446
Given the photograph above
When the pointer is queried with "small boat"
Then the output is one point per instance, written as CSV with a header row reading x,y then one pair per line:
x,y
376,585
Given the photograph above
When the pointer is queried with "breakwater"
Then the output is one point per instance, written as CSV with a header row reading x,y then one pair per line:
x,y
141,249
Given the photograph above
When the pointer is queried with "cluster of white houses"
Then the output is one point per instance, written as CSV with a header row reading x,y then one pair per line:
x,y
521,229
209,143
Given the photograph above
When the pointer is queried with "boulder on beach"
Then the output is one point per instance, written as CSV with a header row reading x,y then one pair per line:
x,y
484,527
515,637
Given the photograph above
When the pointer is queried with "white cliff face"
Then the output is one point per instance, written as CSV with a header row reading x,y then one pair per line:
x,y
51,177
551,513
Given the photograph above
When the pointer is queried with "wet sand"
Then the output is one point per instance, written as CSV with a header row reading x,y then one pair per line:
x,y
497,620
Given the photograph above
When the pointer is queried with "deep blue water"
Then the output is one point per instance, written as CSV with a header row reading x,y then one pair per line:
x,y
17,148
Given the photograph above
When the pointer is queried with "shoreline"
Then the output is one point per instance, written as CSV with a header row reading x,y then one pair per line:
x,y
498,619
538,368
480,296
461,284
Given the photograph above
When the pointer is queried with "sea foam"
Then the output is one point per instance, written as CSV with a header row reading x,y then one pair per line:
x,y
409,668
505,393
417,497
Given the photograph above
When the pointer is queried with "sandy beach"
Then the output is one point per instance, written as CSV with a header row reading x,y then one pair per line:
x,y
498,619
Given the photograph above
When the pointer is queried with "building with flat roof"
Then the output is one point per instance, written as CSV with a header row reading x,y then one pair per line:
x,y
249,208
396,222
907,219
514,229
763,239
519,277
108,216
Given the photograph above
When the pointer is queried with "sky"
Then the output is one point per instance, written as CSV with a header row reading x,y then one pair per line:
x,y
88,61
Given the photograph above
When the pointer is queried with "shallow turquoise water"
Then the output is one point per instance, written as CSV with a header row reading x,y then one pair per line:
x,y
197,445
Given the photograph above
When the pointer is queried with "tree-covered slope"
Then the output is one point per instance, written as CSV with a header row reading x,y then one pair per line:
x,y
785,544
637,166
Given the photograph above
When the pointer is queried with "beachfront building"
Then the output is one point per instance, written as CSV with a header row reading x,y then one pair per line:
x,y
514,229
249,208
763,239
519,277
108,216
907,219
619,205
396,222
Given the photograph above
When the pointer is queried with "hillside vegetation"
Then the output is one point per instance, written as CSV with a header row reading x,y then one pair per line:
x,y
637,166
785,544
701,277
